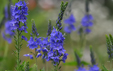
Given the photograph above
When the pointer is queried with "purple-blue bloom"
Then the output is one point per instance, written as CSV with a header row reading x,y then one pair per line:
x,y
64,57
87,22
69,24
56,39
38,55
70,20
68,29
31,56
94,68
8,33
55,50
32,43
19,14
28,55
81,69
23,37
87,30
6,12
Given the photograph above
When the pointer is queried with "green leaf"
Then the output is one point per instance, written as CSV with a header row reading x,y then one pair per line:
x,y
73,63
104,68
1,58
42,69
34,68
79,52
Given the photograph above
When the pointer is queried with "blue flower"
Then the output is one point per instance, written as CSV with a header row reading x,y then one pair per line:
x,y
64,57
94,68
8,39
8,33
19,15
38,55
81,69
69,24
87,30
39,50
45,50
70,20
45,43
68,29
56,39
87,22
6,12
27,55
23,37
53,48
31,56
56,59
32,44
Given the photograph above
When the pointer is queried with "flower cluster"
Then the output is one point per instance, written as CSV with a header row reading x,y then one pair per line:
x,y
56,49
70,24
52,48
7,35
33,43
87,23
94,68
19,16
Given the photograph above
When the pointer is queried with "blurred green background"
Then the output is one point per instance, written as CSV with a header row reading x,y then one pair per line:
x,y
41,11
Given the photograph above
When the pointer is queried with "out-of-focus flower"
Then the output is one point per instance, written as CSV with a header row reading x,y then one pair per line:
x,y
94,68
8,33
87,21
23,37
70,20
69,24
28,55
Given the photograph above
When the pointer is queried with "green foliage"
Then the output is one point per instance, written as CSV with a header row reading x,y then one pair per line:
x,y
1,58
109,43
92,56
60,16
79,52
34,68
42,69
104,68
73,63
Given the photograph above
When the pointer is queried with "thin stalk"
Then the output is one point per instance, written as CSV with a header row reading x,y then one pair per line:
x,y
18,50
46,66
36,58
6,49
71,43
56,68
111,61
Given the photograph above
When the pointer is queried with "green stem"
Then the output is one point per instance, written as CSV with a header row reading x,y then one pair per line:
x,y
46,66
36,58
111,64
6,49
56,67
18,50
